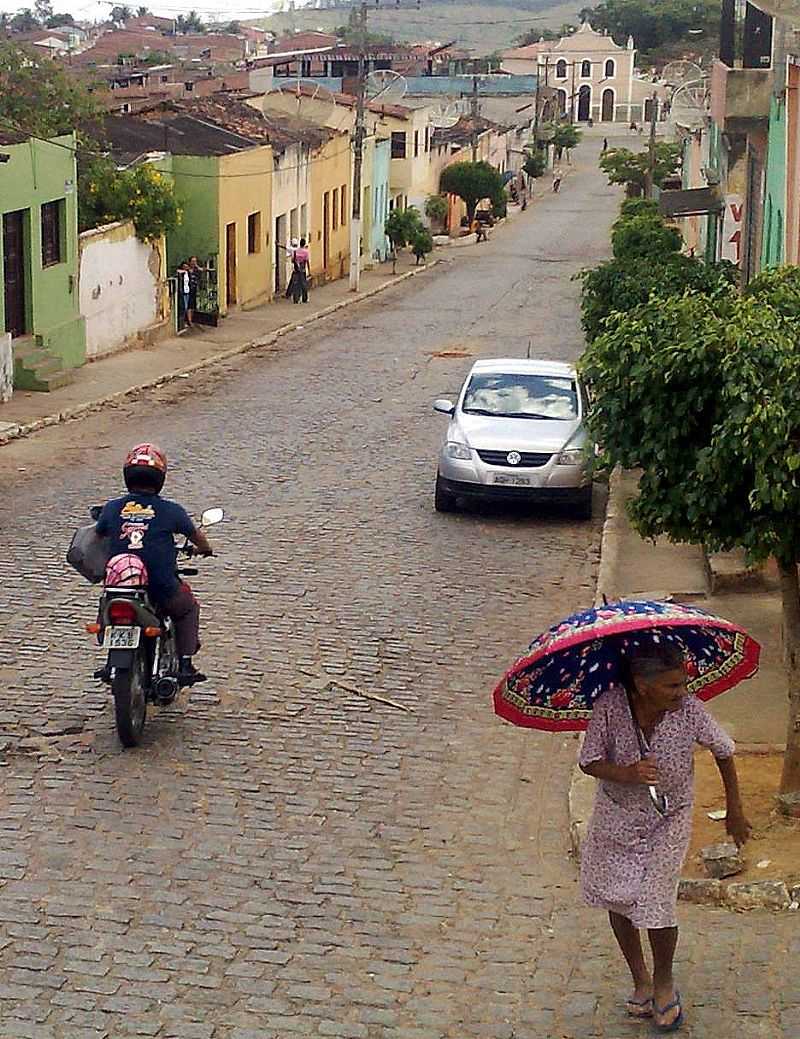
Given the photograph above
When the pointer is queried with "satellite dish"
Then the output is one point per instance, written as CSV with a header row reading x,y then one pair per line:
x,y
445,114
689,105
676,73
386,86
291,88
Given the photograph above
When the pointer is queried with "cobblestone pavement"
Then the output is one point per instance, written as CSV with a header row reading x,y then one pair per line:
x,y
284,856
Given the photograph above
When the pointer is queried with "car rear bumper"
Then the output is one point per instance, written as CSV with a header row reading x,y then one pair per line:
x,y
494,492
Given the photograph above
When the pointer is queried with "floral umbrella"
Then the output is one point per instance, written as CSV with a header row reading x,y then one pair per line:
x,y
555,685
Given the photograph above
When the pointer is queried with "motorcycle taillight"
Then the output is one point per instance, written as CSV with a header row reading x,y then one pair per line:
x,y
121,612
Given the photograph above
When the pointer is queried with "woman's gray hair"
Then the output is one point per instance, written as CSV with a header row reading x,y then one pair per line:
x,y
654,658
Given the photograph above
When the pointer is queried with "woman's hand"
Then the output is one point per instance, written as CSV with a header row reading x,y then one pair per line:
x,y
737,826
644,772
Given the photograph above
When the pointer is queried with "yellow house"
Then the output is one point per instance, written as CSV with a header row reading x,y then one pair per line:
x,y
331,205
221,162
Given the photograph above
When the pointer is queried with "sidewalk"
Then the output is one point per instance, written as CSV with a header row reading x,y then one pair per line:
x,y
111,378
756,711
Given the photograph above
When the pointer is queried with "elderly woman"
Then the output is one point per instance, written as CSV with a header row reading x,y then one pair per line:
x,y
640,746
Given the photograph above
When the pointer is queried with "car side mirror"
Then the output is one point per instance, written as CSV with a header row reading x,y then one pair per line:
x,y
444,407
211,517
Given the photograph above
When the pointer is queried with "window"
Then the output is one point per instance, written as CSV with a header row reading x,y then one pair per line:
x,y
189,87
398,145
427,138
416,143
586,70
611,69
51,232
343,197
522,396
254,233
335,208
561,69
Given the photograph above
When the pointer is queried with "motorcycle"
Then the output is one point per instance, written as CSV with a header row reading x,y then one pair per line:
x,y
142,665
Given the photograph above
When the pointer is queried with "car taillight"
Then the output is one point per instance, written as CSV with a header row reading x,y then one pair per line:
x,y
121,612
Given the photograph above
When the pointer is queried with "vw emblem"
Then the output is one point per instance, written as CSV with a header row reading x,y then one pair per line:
x,y
513,457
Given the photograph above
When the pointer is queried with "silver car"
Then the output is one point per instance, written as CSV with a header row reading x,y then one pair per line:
x,y
516,433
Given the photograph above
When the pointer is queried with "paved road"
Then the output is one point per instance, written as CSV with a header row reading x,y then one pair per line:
x,y
284,856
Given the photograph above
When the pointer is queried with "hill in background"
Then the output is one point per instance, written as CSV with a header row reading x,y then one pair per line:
x,y
485,27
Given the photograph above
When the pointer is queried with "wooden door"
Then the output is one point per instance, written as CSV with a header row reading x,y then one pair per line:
x,y
14,272
230,263
607,115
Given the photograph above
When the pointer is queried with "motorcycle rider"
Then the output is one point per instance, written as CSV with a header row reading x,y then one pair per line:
x,y
143,522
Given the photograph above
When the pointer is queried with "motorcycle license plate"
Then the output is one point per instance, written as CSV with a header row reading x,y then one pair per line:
x,y
122,638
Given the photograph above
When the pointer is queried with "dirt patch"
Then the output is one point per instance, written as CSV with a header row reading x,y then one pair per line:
x,y
775,839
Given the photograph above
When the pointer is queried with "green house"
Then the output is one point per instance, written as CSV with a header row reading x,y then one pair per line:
x,y
39,259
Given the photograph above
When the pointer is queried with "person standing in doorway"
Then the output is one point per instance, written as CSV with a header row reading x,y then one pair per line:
x,y
182,293
193,272
301,272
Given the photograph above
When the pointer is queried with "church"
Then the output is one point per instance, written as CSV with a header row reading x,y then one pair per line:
x,y
594,77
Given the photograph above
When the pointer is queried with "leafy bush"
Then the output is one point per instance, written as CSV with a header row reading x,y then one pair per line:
x,y
421,243
632,207
141,194
778,287
645,238
535,164
622,166
436,208
401,226
621,286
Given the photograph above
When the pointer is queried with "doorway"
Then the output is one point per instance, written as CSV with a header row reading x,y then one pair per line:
x,y
607,113
326,231
650,110
280,254
230,264
14,272
584,104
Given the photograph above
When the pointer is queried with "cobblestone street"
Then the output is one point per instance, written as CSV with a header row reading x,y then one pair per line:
x,y
284,856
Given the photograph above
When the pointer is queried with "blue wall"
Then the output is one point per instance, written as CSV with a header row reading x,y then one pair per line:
x,y
444,86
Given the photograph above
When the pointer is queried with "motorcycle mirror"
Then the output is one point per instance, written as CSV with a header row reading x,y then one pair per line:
x,y
211,517
94,512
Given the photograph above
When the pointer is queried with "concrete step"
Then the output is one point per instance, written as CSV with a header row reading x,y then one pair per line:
x,y
36,368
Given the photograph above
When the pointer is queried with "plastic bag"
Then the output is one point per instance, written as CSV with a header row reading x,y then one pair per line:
x,y
88,553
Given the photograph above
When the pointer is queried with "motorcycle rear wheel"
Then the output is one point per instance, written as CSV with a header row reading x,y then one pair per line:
x,y
130,703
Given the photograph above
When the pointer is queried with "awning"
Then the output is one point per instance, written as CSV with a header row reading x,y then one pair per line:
x,y
690,202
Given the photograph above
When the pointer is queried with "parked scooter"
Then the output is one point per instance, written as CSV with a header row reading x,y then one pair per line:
x,y
143,664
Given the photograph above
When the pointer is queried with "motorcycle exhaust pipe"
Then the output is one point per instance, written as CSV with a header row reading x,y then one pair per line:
x,y
166,689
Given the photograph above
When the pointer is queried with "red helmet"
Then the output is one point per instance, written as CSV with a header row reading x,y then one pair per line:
x,y
126,571
145,468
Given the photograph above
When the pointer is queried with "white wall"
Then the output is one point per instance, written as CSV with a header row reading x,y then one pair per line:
x,y
120,286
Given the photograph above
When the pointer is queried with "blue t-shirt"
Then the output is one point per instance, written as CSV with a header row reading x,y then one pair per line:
x,y
145,524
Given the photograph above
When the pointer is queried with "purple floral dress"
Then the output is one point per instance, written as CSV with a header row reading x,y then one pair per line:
x,y
632,856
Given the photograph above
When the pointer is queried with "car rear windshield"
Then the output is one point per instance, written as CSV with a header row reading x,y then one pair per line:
x,y
521,396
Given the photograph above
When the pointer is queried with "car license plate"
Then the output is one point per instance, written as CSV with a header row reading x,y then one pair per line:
x,y
506,480
122,638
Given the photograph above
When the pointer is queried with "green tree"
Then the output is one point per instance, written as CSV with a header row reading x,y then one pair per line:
x,y
421,243
704,397
622,166
120,14
535,163
24,21
44,11
402,225
549,35
654,23
472,181
565,137
190,23
141,12
436,209
59,19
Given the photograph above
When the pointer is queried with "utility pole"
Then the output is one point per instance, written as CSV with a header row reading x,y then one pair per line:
x,y
359,133
474,113
651,148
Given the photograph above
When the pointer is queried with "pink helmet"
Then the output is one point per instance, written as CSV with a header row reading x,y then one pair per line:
x,y
125,571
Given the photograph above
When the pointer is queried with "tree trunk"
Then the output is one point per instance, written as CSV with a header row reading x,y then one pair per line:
x,y
790,593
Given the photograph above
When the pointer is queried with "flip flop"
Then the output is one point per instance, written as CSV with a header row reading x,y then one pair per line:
x,y
677,1023
639,1008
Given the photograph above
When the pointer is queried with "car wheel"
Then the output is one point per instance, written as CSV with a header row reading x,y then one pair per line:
x,y
583,506
443,500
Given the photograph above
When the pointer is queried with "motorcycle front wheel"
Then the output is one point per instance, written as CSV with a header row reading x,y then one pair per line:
x,y
130,702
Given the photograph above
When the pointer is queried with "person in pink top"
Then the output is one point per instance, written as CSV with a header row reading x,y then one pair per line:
x,y
640,746
301,269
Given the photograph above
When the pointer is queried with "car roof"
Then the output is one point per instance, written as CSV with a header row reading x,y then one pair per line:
x,y
524,366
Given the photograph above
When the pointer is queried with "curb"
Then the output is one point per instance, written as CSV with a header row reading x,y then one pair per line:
x,y
17,432
760,894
